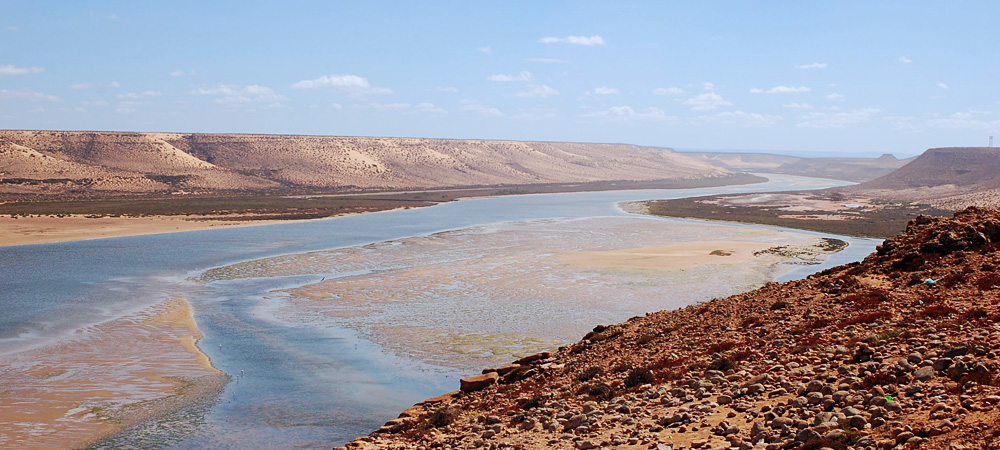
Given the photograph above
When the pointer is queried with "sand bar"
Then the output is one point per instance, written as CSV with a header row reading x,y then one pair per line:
x,y
670,257
104,378
43,229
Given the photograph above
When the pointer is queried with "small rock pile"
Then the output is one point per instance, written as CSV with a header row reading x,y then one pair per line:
x,y
901,350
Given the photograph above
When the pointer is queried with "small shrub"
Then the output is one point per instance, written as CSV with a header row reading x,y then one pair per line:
x,y
532,403
589,373
722,364
741,355
975,314
821,322
637,377
601,391
988,281
443,416
720,347
952,279
868,318
938,310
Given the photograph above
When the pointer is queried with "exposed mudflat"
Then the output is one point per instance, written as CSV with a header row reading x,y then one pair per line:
x,y
485,295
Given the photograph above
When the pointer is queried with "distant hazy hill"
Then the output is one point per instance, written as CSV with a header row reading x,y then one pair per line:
x,y
850,169
951,178
62,161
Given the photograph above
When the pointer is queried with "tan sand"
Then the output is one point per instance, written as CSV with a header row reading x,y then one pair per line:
x,y
670,257
104,378
42,229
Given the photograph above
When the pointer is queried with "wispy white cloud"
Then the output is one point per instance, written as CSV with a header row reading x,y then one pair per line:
x,y
446,89
28,94
538,90
742,119
577,40
796,105
11,69
668,91
233,94
81,86
128,107
706,102
484,49
781,90
838,119
536,115
708,86
904,60
604,90
406,108
547,60
626,113
815,65
971,119
180,73
524,75
139,95
482,110
834,96
351,84
942,86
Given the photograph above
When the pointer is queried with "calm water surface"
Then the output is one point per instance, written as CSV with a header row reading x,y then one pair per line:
x,y
304,386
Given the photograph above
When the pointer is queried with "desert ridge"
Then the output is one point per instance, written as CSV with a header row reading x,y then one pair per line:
x,y
59,163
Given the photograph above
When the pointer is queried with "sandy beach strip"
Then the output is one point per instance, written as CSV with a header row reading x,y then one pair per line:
x,y
44,229
105,378
668,257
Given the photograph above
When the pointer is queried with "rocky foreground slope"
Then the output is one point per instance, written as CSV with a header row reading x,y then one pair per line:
x,y
901,350
56,163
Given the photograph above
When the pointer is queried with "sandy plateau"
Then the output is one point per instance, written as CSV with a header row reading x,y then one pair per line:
x,y
104,378
484,295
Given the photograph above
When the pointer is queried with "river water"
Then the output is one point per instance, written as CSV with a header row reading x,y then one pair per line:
x,y
302,384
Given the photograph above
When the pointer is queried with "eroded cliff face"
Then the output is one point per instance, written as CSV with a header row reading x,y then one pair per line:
x,y
59,162
901,350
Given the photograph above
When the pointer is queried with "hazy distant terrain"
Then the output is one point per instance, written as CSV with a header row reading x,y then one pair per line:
x,y
948,178
56,163
849,169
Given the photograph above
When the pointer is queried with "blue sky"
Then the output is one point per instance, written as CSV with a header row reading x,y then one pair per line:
x,y
829,77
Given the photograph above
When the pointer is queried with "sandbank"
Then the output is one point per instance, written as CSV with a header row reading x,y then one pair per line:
x,y
104,378
45,229
669,257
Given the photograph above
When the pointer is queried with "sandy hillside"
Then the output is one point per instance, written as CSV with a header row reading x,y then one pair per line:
x,y
850,169
948,178
60,162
